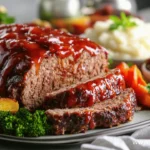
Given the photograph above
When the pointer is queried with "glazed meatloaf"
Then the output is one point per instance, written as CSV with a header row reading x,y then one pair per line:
x,y
87,93
108,113
36,60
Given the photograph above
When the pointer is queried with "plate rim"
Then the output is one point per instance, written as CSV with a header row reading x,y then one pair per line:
x,y
122,129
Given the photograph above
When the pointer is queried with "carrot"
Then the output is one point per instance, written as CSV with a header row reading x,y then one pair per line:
x,y
143,95
123,69
133,78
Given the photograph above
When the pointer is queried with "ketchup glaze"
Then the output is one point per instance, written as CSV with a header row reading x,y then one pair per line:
x,y
87,94
22,45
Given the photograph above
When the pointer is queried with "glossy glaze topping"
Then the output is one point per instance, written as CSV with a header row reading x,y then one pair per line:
x,y
24,45
109,113
87,94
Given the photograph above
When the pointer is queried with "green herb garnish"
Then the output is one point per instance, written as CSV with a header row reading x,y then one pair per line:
x,y
121,22
148,87
6,19
110,61
24,123
130,64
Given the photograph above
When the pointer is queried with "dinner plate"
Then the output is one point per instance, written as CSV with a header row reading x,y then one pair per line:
x,y
140,120
144,133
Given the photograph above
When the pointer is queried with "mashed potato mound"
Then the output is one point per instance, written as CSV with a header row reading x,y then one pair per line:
x,y
130,43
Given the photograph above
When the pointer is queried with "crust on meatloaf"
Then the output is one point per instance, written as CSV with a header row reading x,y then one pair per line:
x,y
36,60
108,113
87,93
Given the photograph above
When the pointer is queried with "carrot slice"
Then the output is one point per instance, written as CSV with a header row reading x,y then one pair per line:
x,y
143,95
124,69
133,78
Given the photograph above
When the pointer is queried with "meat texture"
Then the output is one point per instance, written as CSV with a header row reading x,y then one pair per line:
x,y
37,60
87,93
105,114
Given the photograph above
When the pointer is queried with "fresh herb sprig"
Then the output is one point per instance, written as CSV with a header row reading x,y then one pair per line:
x,y
123,22
6,19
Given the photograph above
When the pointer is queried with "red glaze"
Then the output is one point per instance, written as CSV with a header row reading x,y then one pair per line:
x,y
24,45
88,93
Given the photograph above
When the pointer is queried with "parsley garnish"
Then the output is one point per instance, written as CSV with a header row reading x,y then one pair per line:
x,y
121,22
148,87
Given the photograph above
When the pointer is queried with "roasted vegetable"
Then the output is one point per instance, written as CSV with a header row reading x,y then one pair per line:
x,y
7,104
124,69
24,123
134,79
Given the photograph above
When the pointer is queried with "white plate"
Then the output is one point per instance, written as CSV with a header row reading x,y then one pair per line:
x,y
141,120
142,134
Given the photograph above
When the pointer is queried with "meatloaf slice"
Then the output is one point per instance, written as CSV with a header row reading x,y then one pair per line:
x,y
37,60
87,93
108,113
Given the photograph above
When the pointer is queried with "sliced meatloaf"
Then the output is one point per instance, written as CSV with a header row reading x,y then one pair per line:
x,y
36,60
108,113
87,93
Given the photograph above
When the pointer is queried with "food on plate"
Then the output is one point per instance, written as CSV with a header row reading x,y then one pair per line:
x,y
103,13
4,17
126,38
109,113
123,22
77,25
87,93
134,79
132,75
7,104
24,123
143,94
73,25
36,61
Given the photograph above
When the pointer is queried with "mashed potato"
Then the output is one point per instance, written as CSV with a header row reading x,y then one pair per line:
x,y
130,43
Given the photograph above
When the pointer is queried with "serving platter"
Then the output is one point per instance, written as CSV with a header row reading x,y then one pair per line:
x,y
141,120
142,133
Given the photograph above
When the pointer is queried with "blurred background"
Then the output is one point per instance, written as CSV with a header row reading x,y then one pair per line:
x,y
27,10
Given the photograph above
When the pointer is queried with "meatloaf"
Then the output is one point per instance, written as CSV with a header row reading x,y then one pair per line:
x,y
105,114
87,93
36,60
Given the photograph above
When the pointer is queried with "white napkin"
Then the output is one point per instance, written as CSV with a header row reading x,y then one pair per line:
x,y
117,143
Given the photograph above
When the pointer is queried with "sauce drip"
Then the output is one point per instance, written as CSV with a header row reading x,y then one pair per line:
x,y
87,94
22,45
